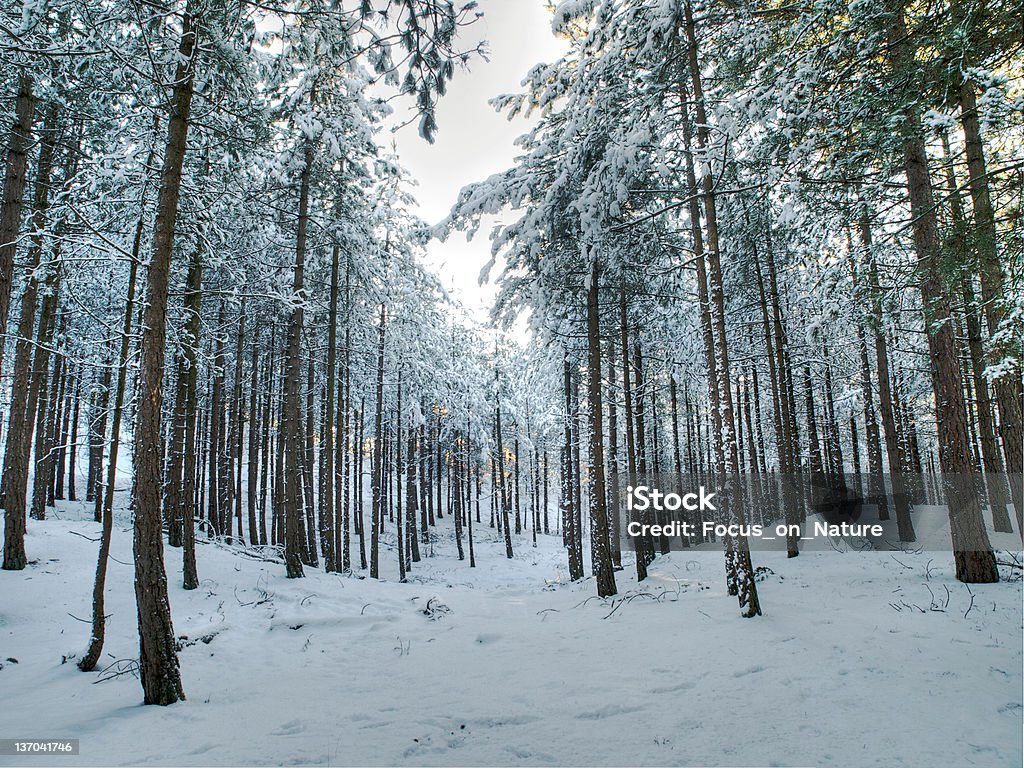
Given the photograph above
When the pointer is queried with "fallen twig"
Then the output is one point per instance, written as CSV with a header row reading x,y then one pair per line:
x,y
972,600
87,538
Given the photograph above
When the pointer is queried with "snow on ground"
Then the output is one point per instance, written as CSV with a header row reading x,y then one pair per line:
x,y
861,659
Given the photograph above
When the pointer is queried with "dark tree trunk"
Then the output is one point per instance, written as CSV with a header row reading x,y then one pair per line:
x,y
161,680
13,195
992,461
328,524
22,414
236,430
308,430
294,450
39,392
358,480
92,655
187,369
639,548
599,530
377,488
411,499
975,561
744,572
501,465
73,440
904,524
876,479
266,447
68,399
1008,387
253,461
216,492
613,466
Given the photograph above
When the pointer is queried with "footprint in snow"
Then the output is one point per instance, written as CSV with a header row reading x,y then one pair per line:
x,y
748,671
523,754
290,728
611,710
495,722
685,686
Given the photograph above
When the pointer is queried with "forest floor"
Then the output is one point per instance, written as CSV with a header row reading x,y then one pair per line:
x,y
860,659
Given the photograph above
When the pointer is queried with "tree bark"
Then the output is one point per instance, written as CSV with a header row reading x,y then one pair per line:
x,y
600,550
158,665
22,414
295,546
975,561
904,524
1008,387
88,662
739,563
13,194
378,455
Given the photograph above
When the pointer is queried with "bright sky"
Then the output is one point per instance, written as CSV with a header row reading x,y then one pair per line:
x,y
473,140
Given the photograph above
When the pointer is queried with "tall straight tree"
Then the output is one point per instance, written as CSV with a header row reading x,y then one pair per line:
x,y
600,548
975,561
158,664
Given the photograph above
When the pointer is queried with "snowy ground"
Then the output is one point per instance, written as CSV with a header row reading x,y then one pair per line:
x,y
859,660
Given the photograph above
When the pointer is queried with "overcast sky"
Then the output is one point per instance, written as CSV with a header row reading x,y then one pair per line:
x,y
473,140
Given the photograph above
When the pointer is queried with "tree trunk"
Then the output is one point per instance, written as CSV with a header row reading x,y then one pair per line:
x,y
501,465
22,414
187,368
613,467
308,430
327,513
639,549
378,456
876,478
1008,386
253,461
68,386
744,572
13,195
216,495
295,546
40,403
904,524
236,429
975,562
158,665
88,662
600,550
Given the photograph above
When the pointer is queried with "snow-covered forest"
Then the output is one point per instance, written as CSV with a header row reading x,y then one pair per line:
x,y
261,465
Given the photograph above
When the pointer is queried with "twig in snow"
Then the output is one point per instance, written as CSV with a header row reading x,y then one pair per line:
x,y
934,606
127,667
403,647
972,600
87,538
617,604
